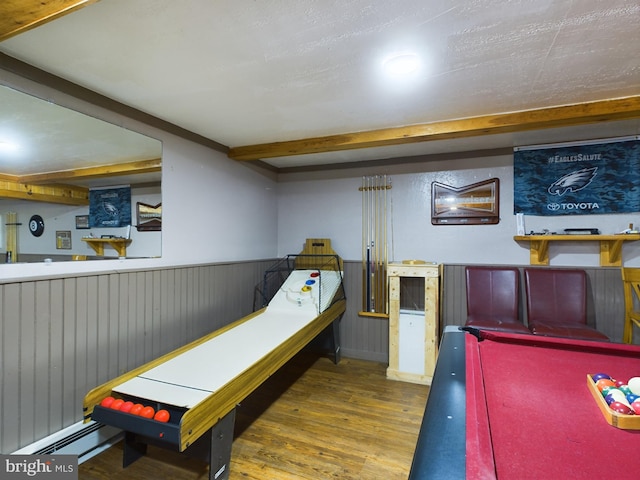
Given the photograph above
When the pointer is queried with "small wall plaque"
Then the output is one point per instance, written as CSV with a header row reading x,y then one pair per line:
x,y
82,221
63,239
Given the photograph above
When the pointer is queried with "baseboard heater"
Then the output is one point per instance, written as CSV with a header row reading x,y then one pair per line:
x,y
82,439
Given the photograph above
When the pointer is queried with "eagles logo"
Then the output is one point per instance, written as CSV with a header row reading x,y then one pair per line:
x,y
110,209
573,182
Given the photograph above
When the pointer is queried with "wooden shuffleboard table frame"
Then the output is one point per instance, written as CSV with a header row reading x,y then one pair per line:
x,y
206,429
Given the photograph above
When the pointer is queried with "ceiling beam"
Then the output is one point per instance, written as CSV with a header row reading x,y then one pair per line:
x,y
538,119
17,16
132,168
49,187
61,194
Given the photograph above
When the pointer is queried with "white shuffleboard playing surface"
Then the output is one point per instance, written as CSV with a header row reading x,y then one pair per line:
x,y
192,376
303,291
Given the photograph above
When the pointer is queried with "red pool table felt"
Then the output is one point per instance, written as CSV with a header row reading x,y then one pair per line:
x,y
530,413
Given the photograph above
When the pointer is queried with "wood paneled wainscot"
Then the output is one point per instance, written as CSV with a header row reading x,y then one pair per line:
x,y
413,334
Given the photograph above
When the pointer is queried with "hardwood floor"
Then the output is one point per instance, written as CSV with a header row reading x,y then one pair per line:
x,y
312,420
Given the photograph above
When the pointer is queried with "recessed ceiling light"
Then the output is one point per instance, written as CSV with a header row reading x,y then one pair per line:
x,y
7,146
402,64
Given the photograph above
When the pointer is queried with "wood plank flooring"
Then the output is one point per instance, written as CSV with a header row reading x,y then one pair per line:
x,y
312,420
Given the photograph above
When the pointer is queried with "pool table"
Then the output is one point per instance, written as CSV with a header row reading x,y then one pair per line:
x,y
517,406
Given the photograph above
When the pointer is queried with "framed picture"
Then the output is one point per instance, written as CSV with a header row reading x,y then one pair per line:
x,y
82,222
476,204
149,217
63,239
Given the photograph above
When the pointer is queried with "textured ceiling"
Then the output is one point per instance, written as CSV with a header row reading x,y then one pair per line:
x,y
245,72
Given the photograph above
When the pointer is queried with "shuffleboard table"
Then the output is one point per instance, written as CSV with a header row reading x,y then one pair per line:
x,y
201,384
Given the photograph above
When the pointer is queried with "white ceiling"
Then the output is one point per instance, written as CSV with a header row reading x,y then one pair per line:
x,y
245,72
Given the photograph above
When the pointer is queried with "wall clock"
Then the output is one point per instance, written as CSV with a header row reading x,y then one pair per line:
x,y
36,225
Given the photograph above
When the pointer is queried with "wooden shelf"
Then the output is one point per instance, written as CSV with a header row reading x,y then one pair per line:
x,y
118,244
610,246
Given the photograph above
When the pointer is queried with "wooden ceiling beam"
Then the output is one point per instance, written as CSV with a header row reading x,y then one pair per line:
x,y
538,119
131,168
61,194
17,16
50,187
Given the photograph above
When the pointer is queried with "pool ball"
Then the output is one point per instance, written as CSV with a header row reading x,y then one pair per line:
x,y
615,395
635,406
612,398
126,407
634,385
136,409
106,402
621,408
607,390
598,376
604,382
625,389
116,404
632,397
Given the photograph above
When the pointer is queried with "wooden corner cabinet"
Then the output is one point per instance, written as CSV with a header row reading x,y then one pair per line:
x,y
610,246
413,328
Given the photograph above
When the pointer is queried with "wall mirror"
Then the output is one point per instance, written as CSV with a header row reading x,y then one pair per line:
x,y
51,158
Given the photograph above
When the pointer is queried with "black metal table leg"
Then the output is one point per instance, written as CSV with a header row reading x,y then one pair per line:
x,y
221,441
133,449
335,327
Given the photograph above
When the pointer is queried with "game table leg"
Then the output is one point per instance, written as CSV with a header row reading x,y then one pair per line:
x,y
335,327
221,441
214,447
133,449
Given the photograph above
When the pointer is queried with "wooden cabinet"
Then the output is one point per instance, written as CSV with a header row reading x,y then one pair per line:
x,y
413,326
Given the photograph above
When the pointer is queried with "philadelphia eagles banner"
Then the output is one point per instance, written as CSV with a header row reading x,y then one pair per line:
x,y
583,179
110,207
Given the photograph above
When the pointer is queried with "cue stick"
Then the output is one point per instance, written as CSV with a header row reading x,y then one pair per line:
x,y
377,299
384,254
374,208
368,280
364,222
375,248
369,238
378,242
383,229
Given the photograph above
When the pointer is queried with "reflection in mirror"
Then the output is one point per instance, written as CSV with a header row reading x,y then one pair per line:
x,y
476,204
51,157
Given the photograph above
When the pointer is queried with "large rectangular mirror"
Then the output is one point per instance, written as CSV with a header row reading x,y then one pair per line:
x,y
52,161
